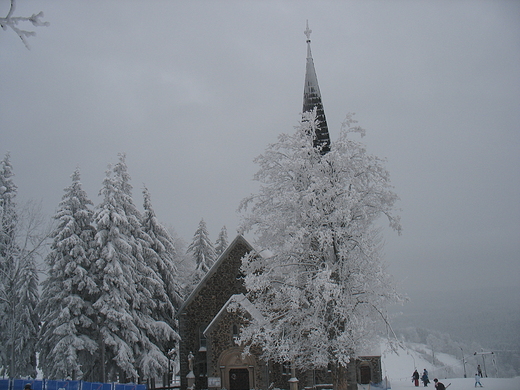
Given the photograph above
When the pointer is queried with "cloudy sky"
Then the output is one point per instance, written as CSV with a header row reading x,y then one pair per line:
x,y
193,91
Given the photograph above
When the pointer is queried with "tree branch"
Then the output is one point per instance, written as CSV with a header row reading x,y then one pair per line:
x,y
10,21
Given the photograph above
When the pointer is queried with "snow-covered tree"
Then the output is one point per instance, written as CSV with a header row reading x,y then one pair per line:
x,y
325,286
8,191
68,339
115,268
202,249
163,253
160,257
21,238
130,338
222,242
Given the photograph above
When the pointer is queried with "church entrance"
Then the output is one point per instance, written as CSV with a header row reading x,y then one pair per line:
x,y
237,372
365,374
239,379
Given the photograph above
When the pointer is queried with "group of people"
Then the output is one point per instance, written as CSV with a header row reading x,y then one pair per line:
x,y
440,385
424,378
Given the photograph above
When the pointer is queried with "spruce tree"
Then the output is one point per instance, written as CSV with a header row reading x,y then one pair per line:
x,y
67,339
130,338
201,248
19,243
164,252
222,242
115,270
159,280
9,250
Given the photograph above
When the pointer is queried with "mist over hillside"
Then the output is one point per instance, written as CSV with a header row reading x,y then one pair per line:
x,y
464,322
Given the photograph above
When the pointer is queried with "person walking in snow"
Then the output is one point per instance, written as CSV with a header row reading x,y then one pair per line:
x,y
424,378
477,380
415,378
439,385
479,370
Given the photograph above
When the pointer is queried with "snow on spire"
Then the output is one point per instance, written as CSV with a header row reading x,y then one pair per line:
x,y
312,99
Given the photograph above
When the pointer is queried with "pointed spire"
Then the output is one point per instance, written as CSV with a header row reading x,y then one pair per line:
x,y
312,98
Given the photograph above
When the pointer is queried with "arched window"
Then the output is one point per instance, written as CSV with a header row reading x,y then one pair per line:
x,y
202,339
235,332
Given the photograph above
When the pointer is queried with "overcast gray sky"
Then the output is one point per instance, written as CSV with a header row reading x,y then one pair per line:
x,y
193,91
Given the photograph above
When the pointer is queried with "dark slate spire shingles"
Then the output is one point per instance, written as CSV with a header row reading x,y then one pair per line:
x,y
312,98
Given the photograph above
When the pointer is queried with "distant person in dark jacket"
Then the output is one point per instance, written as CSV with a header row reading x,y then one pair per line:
x,y
424,378
439,385
415,378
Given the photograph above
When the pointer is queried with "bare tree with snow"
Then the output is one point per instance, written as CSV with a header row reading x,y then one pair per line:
x,y
324,287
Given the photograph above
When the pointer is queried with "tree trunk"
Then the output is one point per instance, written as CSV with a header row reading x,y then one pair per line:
x,y
102,362
339,377
344,378
12,365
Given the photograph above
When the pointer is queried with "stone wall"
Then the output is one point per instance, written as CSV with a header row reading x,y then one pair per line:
x,y
204,303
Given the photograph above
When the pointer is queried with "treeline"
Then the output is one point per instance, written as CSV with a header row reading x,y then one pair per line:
x,y
112,286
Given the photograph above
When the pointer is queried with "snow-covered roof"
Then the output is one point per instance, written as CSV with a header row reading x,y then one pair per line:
x,y
241,301
370,350
238,239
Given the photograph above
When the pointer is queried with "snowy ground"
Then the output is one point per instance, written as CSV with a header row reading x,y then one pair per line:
x,y
399,368
459,384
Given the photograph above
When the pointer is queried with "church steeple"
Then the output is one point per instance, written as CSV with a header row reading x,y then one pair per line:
x,y
312,98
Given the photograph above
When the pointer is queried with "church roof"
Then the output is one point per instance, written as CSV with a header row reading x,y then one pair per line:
x,y
312,99
238,240
237,301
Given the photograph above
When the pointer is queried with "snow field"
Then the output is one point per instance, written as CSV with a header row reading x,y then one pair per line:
x,y
398,368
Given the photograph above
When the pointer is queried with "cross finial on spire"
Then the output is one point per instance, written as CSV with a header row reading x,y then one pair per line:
x,y
308,32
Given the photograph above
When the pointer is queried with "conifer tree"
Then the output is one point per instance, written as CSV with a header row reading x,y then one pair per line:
x,y
160,257
222,242
26,317
19,244
8,252
164,253
115,272
130,338
67,339
201,248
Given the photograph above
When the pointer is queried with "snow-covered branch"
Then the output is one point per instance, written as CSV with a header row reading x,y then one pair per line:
x,y
12,22
325,287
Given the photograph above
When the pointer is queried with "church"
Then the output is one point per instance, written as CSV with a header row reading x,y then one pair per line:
x,y
209,356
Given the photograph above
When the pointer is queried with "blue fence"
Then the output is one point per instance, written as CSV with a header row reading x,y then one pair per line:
x,y
19,384
47,384
96,386
128,386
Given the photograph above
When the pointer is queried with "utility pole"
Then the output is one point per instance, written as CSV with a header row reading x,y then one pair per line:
x,y
463,362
